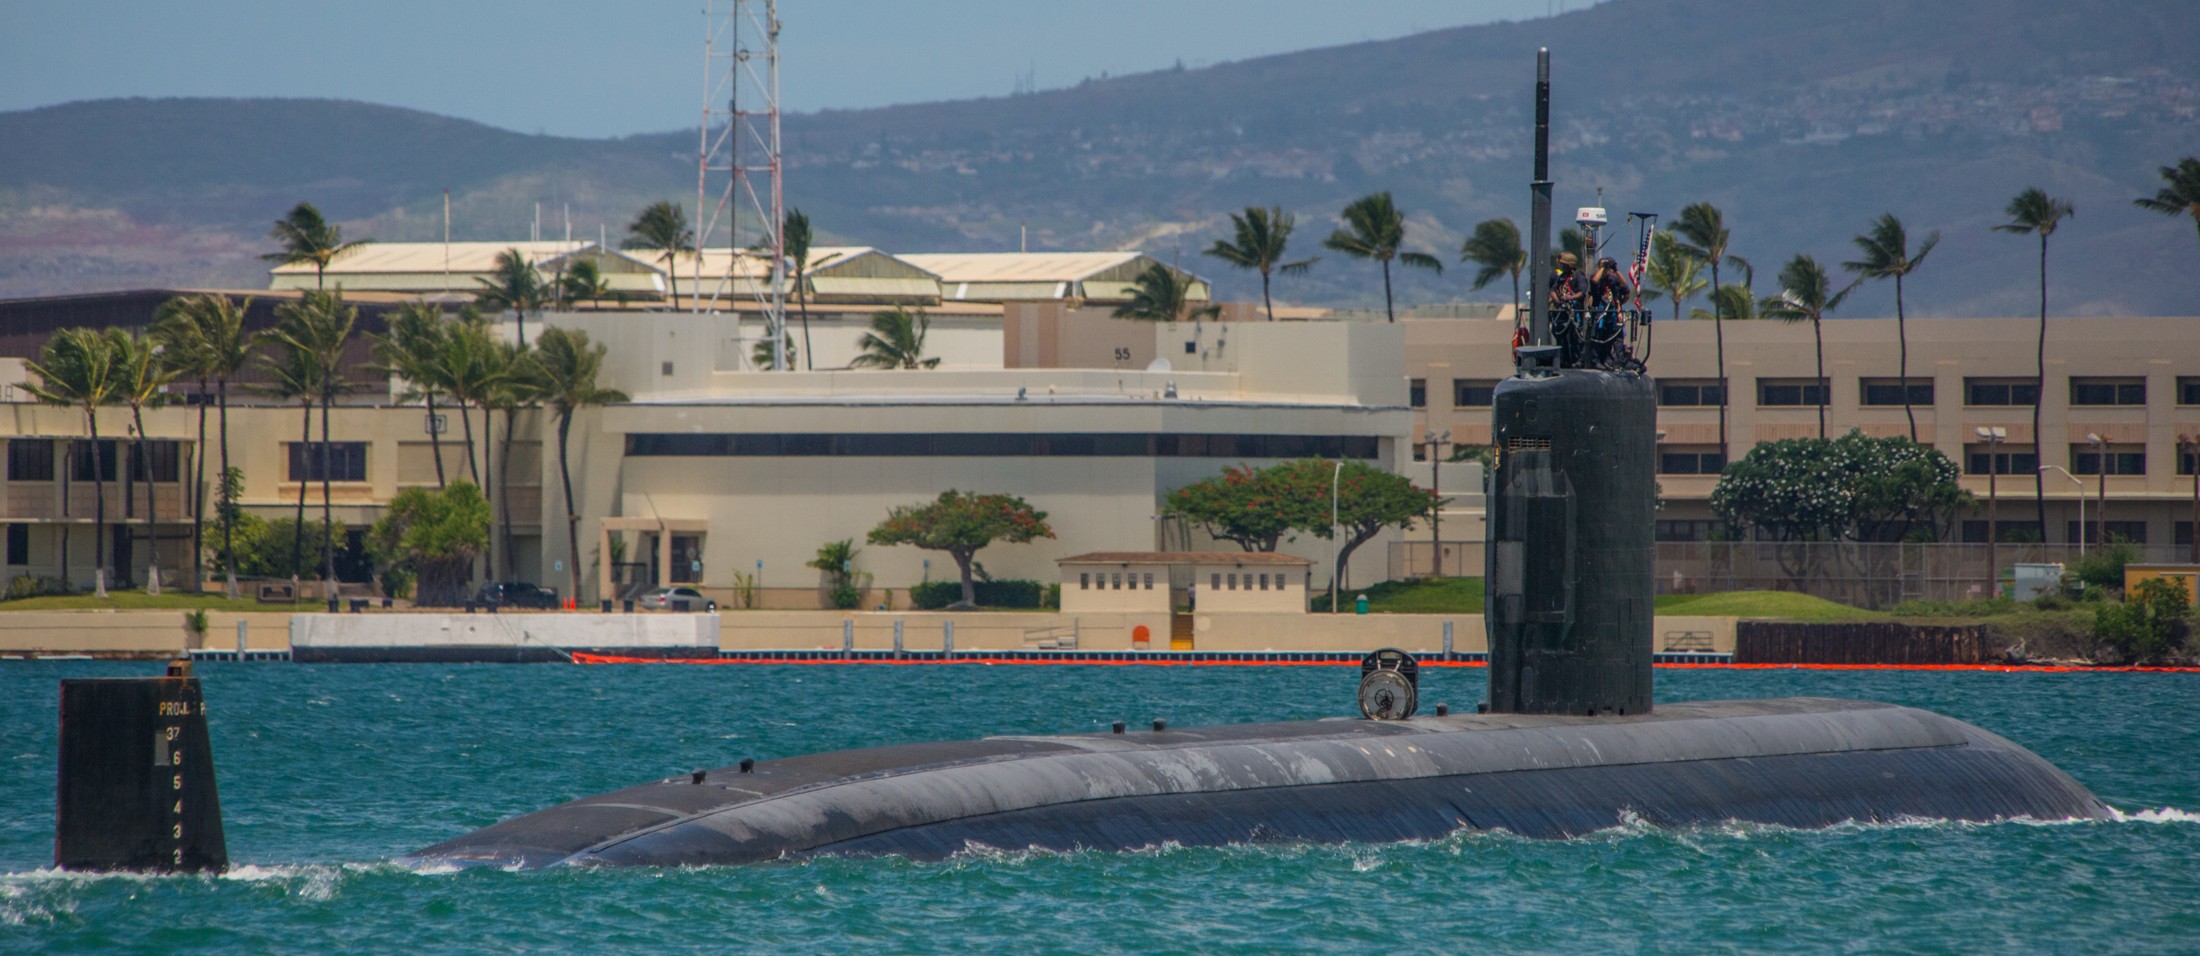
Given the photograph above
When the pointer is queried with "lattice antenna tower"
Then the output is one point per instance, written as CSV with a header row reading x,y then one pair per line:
x,y
737,182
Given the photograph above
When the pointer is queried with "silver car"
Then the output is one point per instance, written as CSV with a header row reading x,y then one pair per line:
x,y
667,599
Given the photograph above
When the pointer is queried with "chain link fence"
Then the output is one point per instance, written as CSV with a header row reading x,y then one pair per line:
x,y
1864,575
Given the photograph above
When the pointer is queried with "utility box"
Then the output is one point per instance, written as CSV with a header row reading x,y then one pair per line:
x,y
2028,581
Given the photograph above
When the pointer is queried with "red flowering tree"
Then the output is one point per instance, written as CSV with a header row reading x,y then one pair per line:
x,y
960,523
1251,508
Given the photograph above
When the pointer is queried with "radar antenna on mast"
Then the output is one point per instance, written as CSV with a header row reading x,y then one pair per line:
x,y
738,144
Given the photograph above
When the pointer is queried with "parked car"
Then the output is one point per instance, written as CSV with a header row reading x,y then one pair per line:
x,y
667,599
517,594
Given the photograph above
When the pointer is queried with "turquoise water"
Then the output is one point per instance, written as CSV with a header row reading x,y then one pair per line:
x,y
328,772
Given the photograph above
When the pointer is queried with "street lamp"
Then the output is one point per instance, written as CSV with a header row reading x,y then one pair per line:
x,y
1993,437
2100,462
2081,506
1335,476
1435,454
2189,447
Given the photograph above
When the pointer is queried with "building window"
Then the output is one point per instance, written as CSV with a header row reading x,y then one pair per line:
x,y
1888,391
2117,460
30,460
1149,580
2183,534
19,544
1979,460
1777,392
1417,392
1118,581
1473,392
2134,532
1684,530
2108,391
2186,462
1689,460
2188,390
1687,393
81,463
2010,532
1084,580
347,461
156,460
1216,584
1999,391
1264,582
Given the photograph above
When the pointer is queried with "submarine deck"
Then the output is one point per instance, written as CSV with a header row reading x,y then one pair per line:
x,y
1795,761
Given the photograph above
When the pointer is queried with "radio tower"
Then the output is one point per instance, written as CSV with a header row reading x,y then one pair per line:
x,y
738,144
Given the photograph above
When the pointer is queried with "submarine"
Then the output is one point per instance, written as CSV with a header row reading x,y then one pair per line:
x,y
1569,742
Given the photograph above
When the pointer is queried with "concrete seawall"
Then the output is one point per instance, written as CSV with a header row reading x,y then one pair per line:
x,y
162,633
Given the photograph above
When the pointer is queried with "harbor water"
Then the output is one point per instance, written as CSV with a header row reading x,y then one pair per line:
x,y
329,773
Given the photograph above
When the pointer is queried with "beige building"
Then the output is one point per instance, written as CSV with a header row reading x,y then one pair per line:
x,y
1214,582
2131,383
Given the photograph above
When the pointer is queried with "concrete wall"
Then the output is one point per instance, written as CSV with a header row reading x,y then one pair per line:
x,y
504,630
134,633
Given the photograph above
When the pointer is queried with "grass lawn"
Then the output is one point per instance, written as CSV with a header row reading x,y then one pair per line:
x,y
1427,596
1784,605
141,601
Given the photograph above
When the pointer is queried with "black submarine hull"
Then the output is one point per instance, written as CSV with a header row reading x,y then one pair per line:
x,y
1800,762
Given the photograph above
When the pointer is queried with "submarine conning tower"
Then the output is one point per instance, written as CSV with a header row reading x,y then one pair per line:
x,y
1569,583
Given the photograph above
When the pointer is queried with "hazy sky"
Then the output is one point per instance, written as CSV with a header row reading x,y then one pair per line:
x,y
602,69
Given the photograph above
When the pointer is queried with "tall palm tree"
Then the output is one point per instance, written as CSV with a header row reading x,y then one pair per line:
x,y
415,349
514,285
582,280
662,227
2180,193
795,232
1261,237
1496,248
2034,212
1806,294
471,373
306,237
896,340
310,337
77,367
522,388
1675,272
205,336
1374,229
141,380
1159,295
566,368
1705,229
1887,255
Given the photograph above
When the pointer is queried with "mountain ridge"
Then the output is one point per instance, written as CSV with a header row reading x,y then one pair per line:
x,y
1803,122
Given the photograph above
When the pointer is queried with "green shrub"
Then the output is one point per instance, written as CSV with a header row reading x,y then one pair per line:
x,y
845,596
1054,596
2149,625
25,586
2103,567
1986,607
2051,601
934,595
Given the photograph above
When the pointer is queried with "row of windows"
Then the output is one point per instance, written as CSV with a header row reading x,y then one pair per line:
x,y
1085,580
33,460
1228,581
2084,460
344,461
1871,392
1002,446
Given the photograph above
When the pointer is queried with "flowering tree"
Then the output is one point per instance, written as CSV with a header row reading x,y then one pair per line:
x,y
1247,507
960,523
1369,499
1852,488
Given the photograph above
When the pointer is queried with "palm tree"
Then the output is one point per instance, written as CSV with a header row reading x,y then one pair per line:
x,y
664,228
1886,255
513,285
293,375
469,371
583,280
1735,300
521,389
1705,229
141,380
2181,194
414,349
796,234
1674,271
310,338
566,367
204,336
306,237
1159,295
1375,230
1262,235
1497,249
77,367
2034,212
1806,294
761,352
896,340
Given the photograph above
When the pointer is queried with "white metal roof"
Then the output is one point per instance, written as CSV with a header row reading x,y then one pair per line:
x,y
957,267
415,257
